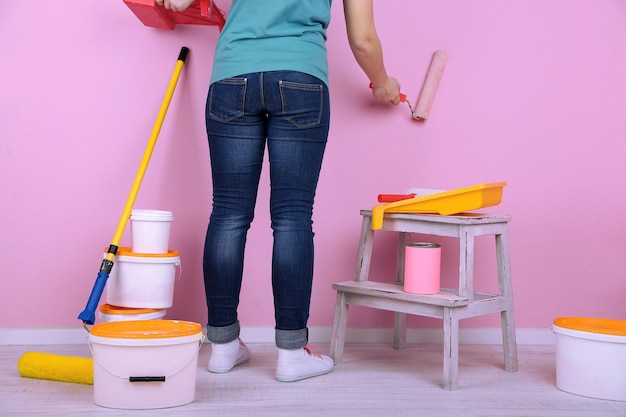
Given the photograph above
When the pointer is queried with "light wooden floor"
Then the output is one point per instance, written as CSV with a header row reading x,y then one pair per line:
x,y
373,380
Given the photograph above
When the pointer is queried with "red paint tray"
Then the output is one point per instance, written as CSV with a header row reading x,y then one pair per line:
x,y
201,12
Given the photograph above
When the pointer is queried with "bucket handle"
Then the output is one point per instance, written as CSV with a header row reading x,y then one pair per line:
x,y
146,378
179,264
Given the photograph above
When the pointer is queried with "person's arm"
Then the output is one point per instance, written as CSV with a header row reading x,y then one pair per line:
x,y
367,49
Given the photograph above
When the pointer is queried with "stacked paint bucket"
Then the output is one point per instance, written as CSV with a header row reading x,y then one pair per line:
x,y
591,357
142,361
141,283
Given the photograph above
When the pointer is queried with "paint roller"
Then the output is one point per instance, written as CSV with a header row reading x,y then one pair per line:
x,y
56,367
200,12
431,84
426,97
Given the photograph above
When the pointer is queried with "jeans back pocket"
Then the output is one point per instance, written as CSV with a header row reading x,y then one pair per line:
x,y
302,104
227,99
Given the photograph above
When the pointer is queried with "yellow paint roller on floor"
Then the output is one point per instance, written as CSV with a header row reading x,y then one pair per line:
x,y
56,367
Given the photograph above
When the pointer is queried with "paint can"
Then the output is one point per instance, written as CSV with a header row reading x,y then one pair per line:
x,y
145,364
150,230
108,312
422,268
140,280
591,357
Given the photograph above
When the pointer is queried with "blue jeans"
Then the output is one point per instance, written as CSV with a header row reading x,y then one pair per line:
x,y
289,112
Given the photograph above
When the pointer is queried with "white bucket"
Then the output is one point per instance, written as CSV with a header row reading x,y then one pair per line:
x,y
108,312
145,364
150,230
143,280
591,357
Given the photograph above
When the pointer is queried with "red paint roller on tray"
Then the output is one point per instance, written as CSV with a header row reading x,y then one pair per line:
x,y
201,12
429,89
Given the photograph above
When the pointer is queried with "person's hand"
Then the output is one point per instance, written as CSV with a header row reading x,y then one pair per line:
x,y
388,92
175,5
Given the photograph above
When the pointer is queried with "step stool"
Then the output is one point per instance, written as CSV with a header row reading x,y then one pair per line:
x,y
451,305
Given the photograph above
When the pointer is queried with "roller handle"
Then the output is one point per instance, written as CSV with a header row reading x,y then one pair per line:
x,y
402,96
88,316
390,198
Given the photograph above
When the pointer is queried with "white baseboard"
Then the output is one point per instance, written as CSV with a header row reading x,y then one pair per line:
x,y
319,334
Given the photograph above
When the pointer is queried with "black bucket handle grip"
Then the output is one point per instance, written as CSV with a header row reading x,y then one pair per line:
x,y
146,379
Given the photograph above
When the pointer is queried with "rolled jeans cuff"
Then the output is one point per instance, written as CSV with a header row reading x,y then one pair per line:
x,y
292,339
223,334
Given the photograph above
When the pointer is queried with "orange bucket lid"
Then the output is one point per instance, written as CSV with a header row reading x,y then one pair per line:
x,y
126,251
110,309
146,329
593,325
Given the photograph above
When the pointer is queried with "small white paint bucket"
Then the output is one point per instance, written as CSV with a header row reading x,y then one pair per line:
x,y
150,230
145,364
591,357
108,313
140,280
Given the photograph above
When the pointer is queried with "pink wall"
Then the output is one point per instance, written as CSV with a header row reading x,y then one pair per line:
x,y
533,95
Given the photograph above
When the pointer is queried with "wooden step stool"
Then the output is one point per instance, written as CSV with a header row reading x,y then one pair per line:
x,y
449,305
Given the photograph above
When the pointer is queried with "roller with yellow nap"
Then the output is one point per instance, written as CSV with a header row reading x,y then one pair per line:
x,y
56,367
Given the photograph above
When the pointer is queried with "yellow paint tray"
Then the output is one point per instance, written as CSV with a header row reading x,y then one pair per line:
x,y
445,203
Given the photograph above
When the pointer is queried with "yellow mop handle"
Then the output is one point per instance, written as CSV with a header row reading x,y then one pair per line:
x,y
88,314
132,196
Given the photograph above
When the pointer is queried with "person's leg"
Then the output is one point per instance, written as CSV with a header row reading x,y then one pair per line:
x,y
298,122
236,132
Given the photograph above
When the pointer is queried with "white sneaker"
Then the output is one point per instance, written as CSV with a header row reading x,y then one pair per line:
x,y
296,364
225,356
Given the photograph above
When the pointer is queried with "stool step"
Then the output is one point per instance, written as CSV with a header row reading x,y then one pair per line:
x,y
394,291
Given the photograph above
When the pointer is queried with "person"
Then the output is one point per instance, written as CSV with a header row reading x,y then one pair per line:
x,y
269,88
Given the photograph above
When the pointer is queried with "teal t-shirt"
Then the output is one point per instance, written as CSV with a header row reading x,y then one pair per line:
x,y
273,35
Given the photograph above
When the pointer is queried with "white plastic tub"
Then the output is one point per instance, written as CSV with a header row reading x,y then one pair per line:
x,y
140,280
150,230
591,357
145,364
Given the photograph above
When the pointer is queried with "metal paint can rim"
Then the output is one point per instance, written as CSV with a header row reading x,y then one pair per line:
x,y
425,245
